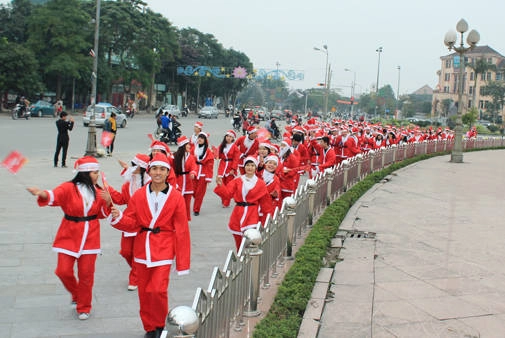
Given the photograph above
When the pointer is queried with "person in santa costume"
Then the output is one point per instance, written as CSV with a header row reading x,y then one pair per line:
x,y
135,179
290,166
229,156
157,213
273,184
205,164
328,157
193,140
78,237
250,193
162,147
185,169
247,145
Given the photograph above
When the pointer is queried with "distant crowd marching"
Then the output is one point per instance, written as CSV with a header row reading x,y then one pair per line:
x,y
163,190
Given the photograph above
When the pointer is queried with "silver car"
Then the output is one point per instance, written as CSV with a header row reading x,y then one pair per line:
x,y
171,109
102,112
208,112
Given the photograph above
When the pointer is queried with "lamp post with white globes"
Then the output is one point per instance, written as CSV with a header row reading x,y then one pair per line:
x,y
450,40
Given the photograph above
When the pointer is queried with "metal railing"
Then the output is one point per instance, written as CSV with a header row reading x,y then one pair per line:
x,y
233,292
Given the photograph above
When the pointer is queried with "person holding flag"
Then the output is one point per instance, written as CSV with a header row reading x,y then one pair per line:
x,y
77,240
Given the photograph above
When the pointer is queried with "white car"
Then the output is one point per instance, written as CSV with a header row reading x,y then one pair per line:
x,y
102,112
208,112
171,109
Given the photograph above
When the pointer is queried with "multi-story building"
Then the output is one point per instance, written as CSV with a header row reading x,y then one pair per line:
x,y
445,94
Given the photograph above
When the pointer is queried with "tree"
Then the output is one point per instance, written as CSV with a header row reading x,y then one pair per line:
x,y
479,66
470,117
61,44
14,20
496,90
13,58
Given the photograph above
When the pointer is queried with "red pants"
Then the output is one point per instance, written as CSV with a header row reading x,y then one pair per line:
x,y
81,290
200,188
238,240
153,295
226,180
127,253
187,199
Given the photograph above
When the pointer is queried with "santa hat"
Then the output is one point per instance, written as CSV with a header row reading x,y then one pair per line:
x,y
275,147
142,160
319,135
251,159
251,129
298,129
182,141
86,163
286,142
204,134
266,144
161,160
198,124
271,158
231,133
158,145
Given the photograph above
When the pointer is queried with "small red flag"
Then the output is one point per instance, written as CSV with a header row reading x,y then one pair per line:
x,y
14,161
107,138
151,137
263,134
92,53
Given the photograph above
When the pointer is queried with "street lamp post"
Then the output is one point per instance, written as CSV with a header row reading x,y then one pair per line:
x,y
379,51
91,144
450,41
326,79
398,90
352,89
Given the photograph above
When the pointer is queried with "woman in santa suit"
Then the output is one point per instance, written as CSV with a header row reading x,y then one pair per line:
x,y
250,193
156,212
135,178
290,164
229,155
78,237
379,141
273,184
185,170
205,164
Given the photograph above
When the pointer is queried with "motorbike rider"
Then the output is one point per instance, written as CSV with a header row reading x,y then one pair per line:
x,y
237,119
165,125
273,129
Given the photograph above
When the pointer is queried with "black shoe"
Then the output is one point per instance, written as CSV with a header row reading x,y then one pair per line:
x,y
159,331
64,166
196,213
150,334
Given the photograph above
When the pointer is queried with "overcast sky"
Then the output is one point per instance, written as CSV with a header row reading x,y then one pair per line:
x,y
410,32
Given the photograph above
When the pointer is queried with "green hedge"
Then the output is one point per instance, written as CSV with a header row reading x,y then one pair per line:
x,y
286,313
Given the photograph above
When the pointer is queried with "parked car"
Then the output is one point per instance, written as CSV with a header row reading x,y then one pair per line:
x,y
102,112
208,112
262,112
41,108
276,114
169,108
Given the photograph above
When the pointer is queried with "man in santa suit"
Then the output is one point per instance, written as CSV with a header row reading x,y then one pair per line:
x,y
368,140
197,129
418,136
315,152
346,146
328,158
157,213
247,145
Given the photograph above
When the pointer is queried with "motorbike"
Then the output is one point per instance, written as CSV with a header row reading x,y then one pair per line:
x,y
237,123
184,112
20,112
169,136
129,113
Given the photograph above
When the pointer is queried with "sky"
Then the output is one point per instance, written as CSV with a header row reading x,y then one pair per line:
x,y
411,34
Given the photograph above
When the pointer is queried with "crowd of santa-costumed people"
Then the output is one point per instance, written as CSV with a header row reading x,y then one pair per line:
x,y
162,190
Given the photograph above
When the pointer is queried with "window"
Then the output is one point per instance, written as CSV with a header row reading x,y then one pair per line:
x,y
472,74
447,77
481,104
490,60
499,76
447,89
448,63
470,90
469,104
489,76
483,76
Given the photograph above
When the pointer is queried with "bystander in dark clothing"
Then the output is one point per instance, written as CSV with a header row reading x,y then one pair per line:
x,y
64,124
111,126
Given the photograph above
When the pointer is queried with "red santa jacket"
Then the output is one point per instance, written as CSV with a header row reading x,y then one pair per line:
x,y
288,176
346,147
184,181
246,147
273,184
205,165
329,159
250,194
228,160
78,234
162,226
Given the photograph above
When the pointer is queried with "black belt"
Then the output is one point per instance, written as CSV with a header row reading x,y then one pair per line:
x,y
154,230
80,219
244,204
185,172
228,159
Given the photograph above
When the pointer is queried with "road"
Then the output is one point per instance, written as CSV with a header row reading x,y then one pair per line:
x,y
34,303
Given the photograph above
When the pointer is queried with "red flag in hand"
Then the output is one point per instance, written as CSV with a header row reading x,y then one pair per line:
x,y
107,138
14,161
151,137
263,134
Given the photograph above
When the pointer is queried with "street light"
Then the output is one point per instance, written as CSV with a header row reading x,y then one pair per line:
x,y
450,40
398,90
326,79
352,89
379,51
91,144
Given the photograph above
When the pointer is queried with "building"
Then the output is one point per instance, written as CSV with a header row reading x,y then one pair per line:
x,y
445,95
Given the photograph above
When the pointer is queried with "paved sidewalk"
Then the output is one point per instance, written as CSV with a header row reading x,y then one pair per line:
x,y
435,267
